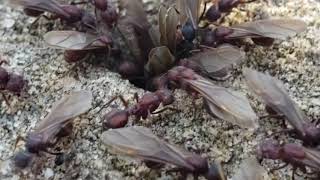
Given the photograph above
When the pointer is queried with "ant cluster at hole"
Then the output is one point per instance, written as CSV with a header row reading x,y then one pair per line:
x,y
188,49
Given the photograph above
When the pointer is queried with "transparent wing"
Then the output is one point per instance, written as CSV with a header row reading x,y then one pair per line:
x,y
312,158
228,101
217,59
162,25
70,106
136,29
135,14
41,5
250,169
140,142
189,9
272,28
220,113
274,94
72,40
172,20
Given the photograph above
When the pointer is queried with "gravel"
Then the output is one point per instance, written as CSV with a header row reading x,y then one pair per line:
x,y
295,62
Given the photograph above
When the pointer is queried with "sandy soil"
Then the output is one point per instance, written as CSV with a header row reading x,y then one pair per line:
x,y
295,62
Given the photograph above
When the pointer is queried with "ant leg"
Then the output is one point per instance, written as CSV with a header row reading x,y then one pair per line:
x,y
53,153
195,177
35,21
125,103
3,62
313,175
19,138
249,1
282,131
79,3
6,99
280,167
136,97
271,116
38,18
175,169
166,108
293,173
203,11
183,176
309,174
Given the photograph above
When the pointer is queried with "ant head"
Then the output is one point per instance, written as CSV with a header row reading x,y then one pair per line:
x,y
115,119
72,56
160,82
215,172
34,143
22,159
75,13
88,20
15,83
268,149
312,134
166,96
4,77
188,32
109,16
199,163
227,5
128,69
101,4
213,14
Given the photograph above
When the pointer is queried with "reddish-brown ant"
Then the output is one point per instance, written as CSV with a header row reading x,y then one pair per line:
x,y
298,156
274,94
146,105
57,124
140,142
10,82
67,13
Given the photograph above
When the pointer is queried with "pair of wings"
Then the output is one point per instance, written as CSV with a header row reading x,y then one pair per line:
x,y
270,28
168,22
51,6
140,142
225,104
274,94
217,62
190,10
312,158
73,40
62,112
137,31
